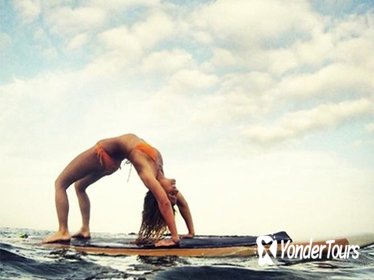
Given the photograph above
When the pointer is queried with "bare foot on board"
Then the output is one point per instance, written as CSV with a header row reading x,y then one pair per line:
x,y
59,236
82,235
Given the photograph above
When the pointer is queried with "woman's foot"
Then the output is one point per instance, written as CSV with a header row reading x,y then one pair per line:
x,y
82,234
59,236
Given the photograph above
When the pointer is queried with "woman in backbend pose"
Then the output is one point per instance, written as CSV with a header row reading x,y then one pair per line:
x,y
104,159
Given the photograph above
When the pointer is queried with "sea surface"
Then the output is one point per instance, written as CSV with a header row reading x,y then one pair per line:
x,y
22,257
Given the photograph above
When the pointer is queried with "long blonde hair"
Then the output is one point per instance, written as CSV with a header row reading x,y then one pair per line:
x,y
153,225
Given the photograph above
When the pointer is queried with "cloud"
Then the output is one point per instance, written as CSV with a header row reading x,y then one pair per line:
x,y
119,5
77,42
314,50
67,21
370,127
126,46
247,64
121,39
157,26
299,123
190,82
331,80
246,24
5,41
29,10
166,62
142,36
239,97
353,40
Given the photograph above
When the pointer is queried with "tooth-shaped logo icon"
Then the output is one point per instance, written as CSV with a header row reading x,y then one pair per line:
x,y
263,256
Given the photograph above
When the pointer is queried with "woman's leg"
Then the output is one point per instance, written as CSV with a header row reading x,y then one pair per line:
x,y
83,165
84,203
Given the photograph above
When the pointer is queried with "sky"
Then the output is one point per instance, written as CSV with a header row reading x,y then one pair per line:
x,y
263,110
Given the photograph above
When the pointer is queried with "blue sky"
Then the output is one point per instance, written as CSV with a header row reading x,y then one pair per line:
x,y
259,107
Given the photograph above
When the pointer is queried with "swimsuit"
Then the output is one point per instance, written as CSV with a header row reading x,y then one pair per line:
x,y
110,165
152,153
106,161
148,150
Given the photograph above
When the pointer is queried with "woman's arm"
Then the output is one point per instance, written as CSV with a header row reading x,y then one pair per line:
x,y
163,202
186,214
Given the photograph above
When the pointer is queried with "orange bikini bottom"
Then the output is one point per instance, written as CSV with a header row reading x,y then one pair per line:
x,y
106,161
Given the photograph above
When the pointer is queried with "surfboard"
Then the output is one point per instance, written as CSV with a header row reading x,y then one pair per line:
x,y
199,246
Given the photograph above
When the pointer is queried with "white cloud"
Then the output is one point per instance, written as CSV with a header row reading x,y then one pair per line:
x,y
315,51
224,58
227,60
48,89
281,60
67,21
77,42
29,10
50,53
238,100
154,29
354,26
166,62
247,23
357,49
203,37
253,83
370,127
120,38
334,79
346,41
120,5
142,36
190,82
299,123
53,108
244,79
39,34
5,41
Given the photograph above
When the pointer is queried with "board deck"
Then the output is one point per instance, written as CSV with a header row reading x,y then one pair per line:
x,y
199,246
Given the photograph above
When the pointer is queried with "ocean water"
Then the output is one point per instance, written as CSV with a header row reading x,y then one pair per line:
x,y
21,257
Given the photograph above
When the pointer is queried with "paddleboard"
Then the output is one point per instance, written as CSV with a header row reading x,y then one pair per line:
x,y
199,246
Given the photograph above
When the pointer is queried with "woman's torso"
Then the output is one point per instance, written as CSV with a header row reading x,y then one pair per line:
x,y
124,147
119,148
